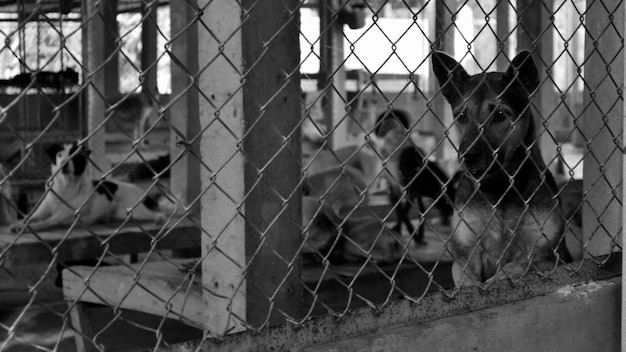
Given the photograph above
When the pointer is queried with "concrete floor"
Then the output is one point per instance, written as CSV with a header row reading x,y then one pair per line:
x,y
47,325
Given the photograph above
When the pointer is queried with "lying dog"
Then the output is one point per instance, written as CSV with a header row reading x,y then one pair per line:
x,y
409,170
508,219
70,190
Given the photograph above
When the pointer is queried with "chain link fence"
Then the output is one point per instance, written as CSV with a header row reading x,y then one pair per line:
x,y
251,164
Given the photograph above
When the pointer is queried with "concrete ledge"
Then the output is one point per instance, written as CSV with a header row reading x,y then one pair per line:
x,y
368,321
574,318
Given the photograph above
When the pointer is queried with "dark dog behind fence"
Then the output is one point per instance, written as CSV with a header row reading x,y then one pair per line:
x,y
412,176
508,219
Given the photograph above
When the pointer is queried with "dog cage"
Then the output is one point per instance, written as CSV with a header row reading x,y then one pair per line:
x,y
314,155
43,102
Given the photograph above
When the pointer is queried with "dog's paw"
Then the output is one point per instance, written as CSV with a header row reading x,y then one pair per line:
x,y
16,226
160,219
513,271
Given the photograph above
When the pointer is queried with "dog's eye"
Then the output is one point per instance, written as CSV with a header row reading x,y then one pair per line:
x,y
461,117
499,115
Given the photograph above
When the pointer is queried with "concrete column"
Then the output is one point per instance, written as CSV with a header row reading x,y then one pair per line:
x,y
602,126
249,113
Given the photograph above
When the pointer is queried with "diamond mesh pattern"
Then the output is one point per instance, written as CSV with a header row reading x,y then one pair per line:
x,y
307,158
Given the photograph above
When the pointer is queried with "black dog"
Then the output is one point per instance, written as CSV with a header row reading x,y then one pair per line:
x,y
508,220
410,171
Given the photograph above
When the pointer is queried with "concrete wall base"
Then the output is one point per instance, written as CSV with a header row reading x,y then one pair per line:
x,y
574,318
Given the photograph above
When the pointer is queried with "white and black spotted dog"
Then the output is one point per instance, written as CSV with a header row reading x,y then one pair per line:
x,y
70,189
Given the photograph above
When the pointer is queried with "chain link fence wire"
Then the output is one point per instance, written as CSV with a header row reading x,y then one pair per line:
x,y
298,159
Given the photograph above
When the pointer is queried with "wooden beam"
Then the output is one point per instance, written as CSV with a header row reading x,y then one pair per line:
x,y
184,108
94,55
442,39
111,35
158,288
273,149
149,47
251,151
80,243
534,33
602,126
332,75
502,32
81,322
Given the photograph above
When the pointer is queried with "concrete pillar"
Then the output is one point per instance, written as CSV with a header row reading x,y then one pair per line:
x,y
602,126
249,113
502,32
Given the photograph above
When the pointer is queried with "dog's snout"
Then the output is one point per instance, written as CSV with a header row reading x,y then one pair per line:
x,y
475,158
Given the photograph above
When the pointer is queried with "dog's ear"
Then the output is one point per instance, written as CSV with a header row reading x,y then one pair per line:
x,y
53,150
450,75
524,67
